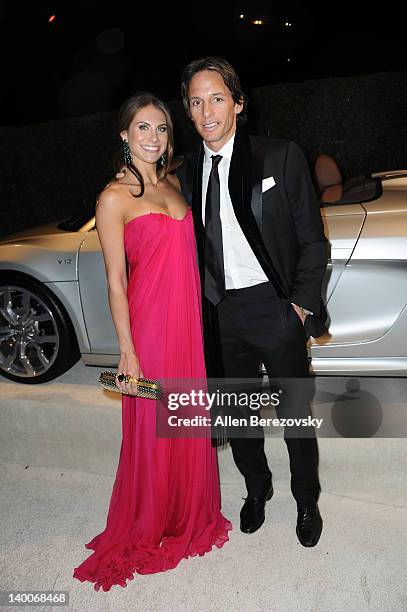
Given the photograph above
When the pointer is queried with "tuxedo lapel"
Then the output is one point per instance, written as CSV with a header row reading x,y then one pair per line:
x,y
256,180
245,189
239,177
245,183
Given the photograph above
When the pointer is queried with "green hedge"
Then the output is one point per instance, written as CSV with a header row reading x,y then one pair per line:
x,y
53,170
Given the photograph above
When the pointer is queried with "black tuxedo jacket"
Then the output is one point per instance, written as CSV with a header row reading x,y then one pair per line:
x,y
283,225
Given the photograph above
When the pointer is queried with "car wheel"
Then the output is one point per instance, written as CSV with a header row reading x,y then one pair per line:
x,y
37,339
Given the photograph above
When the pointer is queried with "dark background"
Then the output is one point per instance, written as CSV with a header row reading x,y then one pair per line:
x,y
94,53
335,81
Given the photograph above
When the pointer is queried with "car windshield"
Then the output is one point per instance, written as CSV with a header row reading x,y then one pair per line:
x,y
73,224
365,189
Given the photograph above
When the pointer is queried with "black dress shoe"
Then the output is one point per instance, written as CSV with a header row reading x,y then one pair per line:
x,y
309,524
252,513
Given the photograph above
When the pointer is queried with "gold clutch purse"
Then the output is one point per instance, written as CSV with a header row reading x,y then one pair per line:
x,y
147,388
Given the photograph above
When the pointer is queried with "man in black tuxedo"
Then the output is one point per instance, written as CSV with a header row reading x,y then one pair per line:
x,y
262,256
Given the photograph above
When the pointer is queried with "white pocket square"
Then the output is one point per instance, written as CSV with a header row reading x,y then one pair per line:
x,y
267,183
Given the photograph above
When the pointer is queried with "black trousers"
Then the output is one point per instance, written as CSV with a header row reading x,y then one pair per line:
x,y
255,325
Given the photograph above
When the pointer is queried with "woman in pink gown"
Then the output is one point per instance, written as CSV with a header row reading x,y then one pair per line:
x,y
165,503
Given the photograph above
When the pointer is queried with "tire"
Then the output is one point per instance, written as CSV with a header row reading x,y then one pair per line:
x,y
37,339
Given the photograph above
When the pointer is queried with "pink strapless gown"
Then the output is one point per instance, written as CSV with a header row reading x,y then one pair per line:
x,y
165,503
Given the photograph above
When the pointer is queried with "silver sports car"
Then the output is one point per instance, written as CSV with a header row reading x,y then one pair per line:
x,y
54,307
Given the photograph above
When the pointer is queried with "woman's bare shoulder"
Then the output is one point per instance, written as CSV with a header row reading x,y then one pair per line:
x,y
110,200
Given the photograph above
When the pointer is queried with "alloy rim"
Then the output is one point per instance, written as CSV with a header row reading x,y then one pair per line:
x,y
29,339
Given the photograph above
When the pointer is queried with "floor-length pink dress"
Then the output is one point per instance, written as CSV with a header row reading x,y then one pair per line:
x,y
165,503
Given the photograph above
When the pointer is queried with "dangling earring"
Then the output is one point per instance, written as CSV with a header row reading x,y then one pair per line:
x,y
127,153
164,159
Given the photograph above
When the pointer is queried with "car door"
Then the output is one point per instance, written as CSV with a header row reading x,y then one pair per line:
x,y
367,294
343,225
371,290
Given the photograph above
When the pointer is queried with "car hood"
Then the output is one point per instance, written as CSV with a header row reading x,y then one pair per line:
x,y
46,229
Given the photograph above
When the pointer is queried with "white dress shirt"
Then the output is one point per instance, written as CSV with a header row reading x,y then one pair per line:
x,y
241,266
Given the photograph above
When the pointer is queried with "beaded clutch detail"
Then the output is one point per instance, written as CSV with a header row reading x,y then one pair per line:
x,y
146,388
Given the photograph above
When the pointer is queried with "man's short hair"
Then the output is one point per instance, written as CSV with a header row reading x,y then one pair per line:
x,y
226,71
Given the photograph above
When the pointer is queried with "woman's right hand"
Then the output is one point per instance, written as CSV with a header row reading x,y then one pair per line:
x,y
129,364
